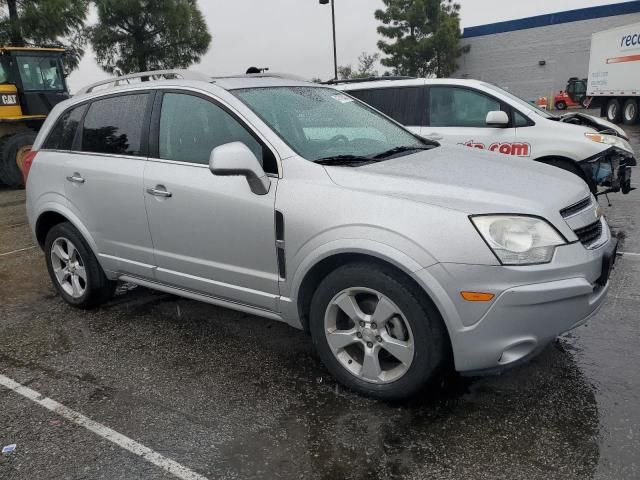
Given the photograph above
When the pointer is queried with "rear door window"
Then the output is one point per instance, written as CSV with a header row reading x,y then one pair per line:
x,y
64,131
404,104
114,125
459,107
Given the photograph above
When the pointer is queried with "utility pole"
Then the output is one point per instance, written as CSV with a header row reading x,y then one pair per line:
x,y
335,49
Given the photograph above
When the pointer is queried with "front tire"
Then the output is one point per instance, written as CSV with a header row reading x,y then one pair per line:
x,y
630,112
376,333
561,105
614,112
74,269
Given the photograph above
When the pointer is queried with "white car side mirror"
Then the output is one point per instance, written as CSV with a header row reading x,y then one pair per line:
x,y
497,119
236,159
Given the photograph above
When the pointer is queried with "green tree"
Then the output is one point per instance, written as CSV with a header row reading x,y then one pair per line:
x,y
366,67
423,36
137,36
345,72
45,23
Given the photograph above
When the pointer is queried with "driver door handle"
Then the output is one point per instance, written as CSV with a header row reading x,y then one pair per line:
x,y
159,191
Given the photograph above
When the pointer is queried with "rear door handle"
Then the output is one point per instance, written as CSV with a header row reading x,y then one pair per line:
x,y
76,178
159,191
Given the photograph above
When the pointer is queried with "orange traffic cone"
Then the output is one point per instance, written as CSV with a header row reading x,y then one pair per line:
x,y
542,102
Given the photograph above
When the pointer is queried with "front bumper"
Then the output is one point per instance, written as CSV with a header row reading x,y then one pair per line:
x,y
610,169
531,307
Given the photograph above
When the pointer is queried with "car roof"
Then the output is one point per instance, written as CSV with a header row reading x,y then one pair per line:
x,y
410,82
194,80
200,82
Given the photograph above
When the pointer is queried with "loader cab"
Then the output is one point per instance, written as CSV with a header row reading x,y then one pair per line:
x,y
37,76
577,89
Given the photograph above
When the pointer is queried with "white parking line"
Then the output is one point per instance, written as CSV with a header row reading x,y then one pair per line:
x,y
16,251
105,432
631,254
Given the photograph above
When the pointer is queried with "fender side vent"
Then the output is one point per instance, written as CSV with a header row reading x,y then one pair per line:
x,y
279,226
282,270
280,251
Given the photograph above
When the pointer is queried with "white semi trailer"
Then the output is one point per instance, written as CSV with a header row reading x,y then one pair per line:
x,y
614,74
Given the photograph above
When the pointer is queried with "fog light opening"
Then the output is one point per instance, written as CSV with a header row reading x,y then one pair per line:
x,y
517,352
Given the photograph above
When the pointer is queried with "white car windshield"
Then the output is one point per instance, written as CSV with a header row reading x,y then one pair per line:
x,y
323,124
520,101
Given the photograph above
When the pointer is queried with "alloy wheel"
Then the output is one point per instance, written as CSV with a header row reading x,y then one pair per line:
x,y
68,267
369,335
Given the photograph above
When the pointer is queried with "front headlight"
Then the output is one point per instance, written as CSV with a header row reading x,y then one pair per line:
x,y
599,138
609,140
518,239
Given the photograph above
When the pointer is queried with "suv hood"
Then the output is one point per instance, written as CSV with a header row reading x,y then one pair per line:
x,y
468,180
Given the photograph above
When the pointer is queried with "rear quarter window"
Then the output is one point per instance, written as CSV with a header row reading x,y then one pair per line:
x,y
114,125
64,131
404,104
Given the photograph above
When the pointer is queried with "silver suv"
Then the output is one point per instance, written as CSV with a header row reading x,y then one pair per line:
x,y
296,202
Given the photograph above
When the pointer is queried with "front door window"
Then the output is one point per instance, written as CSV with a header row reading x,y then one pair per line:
x,y
191,127
459,107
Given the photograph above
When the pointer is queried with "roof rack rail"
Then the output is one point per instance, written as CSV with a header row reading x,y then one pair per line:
x,y
151,75
286,76
368,79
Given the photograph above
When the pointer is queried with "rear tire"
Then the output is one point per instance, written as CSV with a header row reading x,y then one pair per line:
x,y
614,111
630,112
74,269
561,105
391,313
13,150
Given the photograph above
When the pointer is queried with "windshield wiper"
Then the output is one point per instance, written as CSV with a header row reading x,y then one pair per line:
x,y
347,160
357,160
402,149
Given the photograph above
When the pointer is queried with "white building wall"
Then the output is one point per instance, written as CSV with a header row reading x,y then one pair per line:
x,y
510,59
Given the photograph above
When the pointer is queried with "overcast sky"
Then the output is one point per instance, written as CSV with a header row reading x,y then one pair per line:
x,y
295,35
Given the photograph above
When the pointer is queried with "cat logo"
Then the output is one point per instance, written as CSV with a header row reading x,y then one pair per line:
x,y
8,99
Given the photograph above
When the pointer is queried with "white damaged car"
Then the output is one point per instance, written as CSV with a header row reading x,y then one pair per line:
x,y
483,116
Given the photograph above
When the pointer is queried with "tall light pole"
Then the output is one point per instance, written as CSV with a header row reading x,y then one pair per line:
x,y
333,22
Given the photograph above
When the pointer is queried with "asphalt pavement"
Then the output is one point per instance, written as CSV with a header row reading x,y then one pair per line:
x,y
154,386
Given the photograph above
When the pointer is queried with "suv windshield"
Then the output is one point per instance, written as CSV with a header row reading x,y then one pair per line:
x,y
40,72
520,101
323,124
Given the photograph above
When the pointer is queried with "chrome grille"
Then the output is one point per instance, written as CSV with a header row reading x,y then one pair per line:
x,y
590,233
576,207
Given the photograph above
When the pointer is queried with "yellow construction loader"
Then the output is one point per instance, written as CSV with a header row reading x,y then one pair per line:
x,y
32,82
